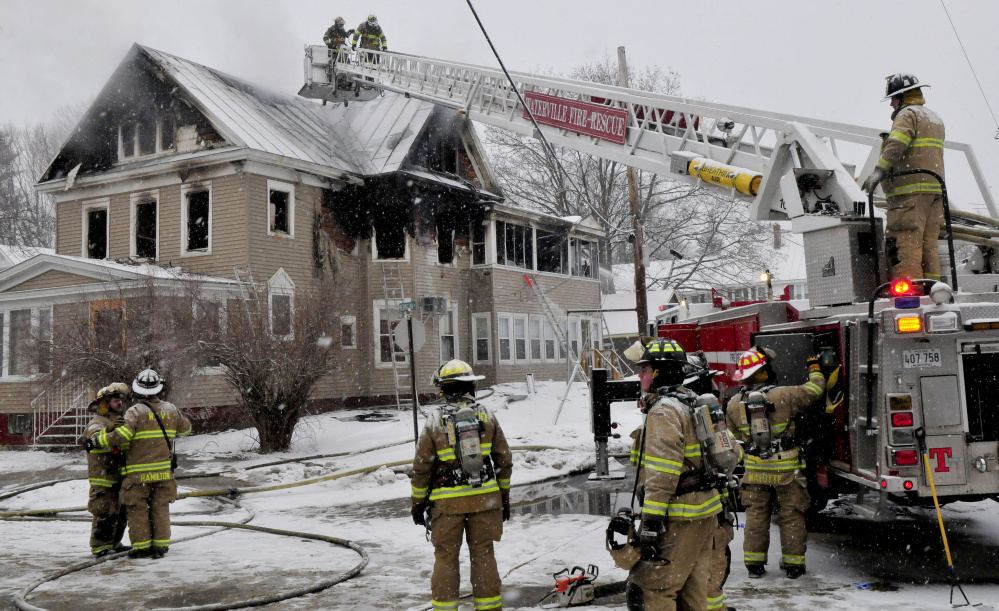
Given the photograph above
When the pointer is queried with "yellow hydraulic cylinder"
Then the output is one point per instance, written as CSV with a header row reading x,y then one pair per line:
x,y
742,180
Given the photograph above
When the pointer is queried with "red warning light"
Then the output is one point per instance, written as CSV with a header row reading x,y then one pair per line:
x,y
901,287
884,484
907,485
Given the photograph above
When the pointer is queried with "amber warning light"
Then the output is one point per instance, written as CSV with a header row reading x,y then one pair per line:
x,y
908,324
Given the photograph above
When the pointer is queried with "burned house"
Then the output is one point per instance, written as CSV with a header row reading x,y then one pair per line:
x,y
179,171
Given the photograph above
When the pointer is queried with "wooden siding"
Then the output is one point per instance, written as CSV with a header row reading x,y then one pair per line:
x,y
52,279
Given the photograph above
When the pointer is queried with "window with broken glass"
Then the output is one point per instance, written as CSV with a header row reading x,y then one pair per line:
x,y
553,253
583,258
478,243
145,230
198,217
97,233
514,245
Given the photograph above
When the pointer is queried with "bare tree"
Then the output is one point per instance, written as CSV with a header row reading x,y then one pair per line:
x,y
717,238
274,363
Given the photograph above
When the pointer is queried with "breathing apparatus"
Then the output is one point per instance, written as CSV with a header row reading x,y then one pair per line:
x,y
755,410
463,431
712,433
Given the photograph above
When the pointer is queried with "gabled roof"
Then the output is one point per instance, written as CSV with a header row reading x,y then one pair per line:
x,y
12,255
361,139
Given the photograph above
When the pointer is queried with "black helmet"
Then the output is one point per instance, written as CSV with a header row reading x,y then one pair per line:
x,y
668,361
899,83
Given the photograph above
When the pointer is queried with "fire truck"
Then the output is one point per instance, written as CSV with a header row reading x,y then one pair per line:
x,y
916,359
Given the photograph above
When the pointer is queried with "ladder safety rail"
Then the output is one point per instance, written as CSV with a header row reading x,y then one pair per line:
x,y
248,294
664,134
393,288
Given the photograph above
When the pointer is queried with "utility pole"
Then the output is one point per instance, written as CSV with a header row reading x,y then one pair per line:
x,y
641,299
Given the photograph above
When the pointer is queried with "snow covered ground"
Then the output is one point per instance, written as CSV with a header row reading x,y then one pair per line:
x,y
902,562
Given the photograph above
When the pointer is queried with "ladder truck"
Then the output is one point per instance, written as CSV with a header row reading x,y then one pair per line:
x,y
918,360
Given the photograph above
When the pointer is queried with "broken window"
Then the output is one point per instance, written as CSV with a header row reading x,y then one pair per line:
x,y
145,230
390,242
147,138
97,233
127,148
514,245
552,253
198,215
167,133
279,211
445,246
478,244
583,258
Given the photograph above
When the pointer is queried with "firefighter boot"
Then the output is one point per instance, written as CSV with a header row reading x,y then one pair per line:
x,y
794,571
756,570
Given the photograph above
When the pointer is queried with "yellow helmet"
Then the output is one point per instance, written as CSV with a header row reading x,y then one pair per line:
x,y
455,371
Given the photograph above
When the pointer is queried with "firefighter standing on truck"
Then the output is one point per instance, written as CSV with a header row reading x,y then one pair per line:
x,y
104,472
370,34
462,474
915,201
335,37
150,427
679,504
762,417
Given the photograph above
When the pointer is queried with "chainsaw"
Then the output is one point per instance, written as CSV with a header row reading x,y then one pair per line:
x,y
572,588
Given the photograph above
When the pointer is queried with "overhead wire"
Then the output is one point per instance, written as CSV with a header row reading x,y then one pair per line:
x,y
975,74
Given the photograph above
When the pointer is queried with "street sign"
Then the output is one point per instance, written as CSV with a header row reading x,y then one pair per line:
x,y
407,306
401,335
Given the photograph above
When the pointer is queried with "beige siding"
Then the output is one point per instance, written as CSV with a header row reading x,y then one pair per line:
x,y
16,396
52,279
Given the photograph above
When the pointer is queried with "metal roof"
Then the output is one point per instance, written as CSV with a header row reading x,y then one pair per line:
x,y
369,138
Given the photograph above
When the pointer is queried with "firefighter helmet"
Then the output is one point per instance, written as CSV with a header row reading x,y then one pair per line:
x,y
147,383
338,21
899,83
456,377
668,362
115,389
99,401
372,20
752,361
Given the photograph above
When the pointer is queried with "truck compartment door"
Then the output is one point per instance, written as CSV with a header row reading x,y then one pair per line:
x,y
947,460
941,404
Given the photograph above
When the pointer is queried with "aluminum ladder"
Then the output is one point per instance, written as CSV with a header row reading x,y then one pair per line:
x,y
249,296
394,289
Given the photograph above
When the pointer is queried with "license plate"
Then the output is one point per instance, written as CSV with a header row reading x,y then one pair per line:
x,y
923,357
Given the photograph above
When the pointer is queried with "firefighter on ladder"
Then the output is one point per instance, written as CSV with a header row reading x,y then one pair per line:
x,y
370,35
149,429
679,507
915,201
104,472
336,36
461,485
762,417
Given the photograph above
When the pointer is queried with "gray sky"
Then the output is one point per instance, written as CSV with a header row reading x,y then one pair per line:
x,y
818,59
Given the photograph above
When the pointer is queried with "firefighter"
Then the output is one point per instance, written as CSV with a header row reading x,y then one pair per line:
x,y
762,415
679,504
104,472
370,35
915,202
336,36
149,487
461,473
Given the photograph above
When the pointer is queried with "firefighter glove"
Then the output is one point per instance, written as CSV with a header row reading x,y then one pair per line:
x,y
648,537
117,421
506,506
419,512
812,363
353,47
872,181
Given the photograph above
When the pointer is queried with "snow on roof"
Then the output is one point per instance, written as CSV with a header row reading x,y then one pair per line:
x,y
626,323
12,255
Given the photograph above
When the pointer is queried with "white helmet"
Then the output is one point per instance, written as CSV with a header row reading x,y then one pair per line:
x,y
147,383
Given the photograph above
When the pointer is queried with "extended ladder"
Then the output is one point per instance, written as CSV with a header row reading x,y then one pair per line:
x,y
248,294
395,290
662,134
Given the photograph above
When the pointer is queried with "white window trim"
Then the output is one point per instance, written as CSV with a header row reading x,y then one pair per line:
x,y
274,185
142,198
499,353
579,337
223,321
487,226
377,306
541,336
487,318
352,321
160,151
453,310
281,284
374,248
184,190
95,204
544,342
527,339
5,375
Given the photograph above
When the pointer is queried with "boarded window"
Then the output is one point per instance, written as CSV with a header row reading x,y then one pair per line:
x,y
281,314
478,244
167,133
145,230
19,363
97,233
198,210
280,211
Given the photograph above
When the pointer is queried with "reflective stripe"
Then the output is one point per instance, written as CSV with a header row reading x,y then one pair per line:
x,y
444,605
716,602
792,559
692,450
900,137
161,542
686,510
934,142
487,449
815,388
446,454
104,451
152,466
157,434
142,544
103,483
99,549
456,491
754,557
783,461
419,493
488,603
884,164
504,484
918,187
662,465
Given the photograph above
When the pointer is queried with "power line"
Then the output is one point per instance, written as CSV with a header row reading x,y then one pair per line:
x,y
968,59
